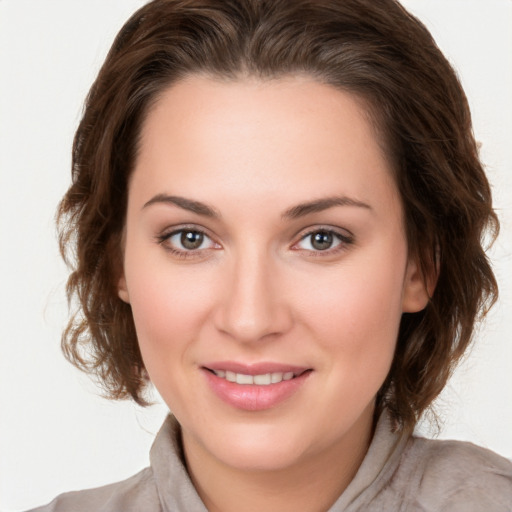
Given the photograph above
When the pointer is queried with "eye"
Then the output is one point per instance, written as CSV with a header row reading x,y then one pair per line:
x,y
188,240
323,240
184,241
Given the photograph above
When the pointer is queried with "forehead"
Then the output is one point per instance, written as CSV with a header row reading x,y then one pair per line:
x,y
288,137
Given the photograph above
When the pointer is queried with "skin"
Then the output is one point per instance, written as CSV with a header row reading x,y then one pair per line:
x,y
257,289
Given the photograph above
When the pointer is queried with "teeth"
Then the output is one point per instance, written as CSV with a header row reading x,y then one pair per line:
x,y
261,380
276,377
244,379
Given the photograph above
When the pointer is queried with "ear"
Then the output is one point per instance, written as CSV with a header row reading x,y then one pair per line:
x,y
418,288
122,290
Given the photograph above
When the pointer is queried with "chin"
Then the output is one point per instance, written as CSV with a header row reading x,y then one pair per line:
x,y
264,446
267,455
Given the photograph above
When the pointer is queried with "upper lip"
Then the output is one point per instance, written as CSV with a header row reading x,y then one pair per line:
x,y
260,368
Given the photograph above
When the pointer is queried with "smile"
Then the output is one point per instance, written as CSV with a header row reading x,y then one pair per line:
x,y
255,387
264,379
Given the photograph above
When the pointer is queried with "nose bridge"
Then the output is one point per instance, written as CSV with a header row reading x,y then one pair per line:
x,y
252,306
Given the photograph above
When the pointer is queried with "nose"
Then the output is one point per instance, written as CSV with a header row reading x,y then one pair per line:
x,y
253,304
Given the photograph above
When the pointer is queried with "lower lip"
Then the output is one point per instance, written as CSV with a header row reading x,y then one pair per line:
x,y
251,397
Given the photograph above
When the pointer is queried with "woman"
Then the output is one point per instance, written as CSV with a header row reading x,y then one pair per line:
x,y
277,211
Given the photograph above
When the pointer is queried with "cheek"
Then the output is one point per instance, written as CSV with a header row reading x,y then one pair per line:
x,y
168,305
355,313
168,313
357,302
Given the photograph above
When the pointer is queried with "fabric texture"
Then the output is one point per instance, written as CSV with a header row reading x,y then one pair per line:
x,y
399,473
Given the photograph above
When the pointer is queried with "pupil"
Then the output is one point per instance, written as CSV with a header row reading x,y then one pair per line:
x,y
322,240
191,239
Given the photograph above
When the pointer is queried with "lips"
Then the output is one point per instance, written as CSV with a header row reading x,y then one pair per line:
x,y
254,387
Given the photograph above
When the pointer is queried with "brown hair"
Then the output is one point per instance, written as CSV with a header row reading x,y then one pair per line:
x,y
376,50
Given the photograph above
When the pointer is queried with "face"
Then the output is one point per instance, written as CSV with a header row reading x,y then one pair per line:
x,y
266,266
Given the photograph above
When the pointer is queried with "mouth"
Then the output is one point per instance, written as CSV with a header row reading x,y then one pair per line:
x,y
255,387
263,379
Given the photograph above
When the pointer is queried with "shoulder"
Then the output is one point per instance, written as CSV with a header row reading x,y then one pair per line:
x,y
133,494
458,476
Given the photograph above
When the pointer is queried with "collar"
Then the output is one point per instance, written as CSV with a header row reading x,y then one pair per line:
x,y
178,494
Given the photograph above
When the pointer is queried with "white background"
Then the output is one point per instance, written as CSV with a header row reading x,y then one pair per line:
x,y
56,433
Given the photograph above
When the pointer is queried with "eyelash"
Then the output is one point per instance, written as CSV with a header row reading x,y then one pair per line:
x,y
163,239
343,242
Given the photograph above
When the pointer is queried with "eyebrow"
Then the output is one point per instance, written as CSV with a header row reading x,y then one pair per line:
x,y
319,205
186,204
300,210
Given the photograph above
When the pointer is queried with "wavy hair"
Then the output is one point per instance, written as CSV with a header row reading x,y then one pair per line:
x,y
375,50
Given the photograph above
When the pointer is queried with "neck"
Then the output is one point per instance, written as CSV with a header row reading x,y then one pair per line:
x,y
311,484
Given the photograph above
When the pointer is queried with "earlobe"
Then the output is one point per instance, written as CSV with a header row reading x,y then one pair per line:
x,y
418,288
122,290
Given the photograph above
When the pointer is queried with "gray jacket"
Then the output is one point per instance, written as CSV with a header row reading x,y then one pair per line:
x,y
399,473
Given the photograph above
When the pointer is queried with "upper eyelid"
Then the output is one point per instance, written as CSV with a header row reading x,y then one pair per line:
x,y
341,232
172,230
